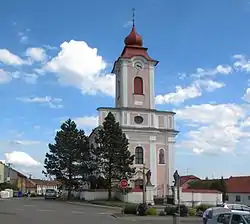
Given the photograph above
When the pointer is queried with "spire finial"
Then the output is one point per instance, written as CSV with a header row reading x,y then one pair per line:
x,y
133,16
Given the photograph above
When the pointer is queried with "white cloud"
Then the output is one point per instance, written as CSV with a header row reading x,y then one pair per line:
x,y
36,54
190,92
179,96
210,85
6,57
23,37
88,122
21,158
216,128
80,66
246,96
203,81
5,77
47,100
30,78
49,47
25,142
241,63
219,69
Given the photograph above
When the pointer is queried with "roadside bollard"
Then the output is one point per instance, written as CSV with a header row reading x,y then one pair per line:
x,y
176,218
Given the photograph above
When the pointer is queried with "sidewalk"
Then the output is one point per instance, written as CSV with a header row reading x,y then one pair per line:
x,y
160,218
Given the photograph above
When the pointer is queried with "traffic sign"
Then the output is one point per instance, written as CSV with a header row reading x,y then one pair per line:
x,y
123,183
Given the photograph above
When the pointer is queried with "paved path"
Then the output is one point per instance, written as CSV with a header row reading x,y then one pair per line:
x,y
23,211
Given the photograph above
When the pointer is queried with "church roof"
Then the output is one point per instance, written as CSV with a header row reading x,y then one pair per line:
x,y
133,39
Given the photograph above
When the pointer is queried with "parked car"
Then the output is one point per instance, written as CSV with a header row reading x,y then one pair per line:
x,y
50,194
230,217
237,207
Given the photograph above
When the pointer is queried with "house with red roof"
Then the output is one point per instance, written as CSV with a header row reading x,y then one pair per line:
x,y
193,197
186,180
238,190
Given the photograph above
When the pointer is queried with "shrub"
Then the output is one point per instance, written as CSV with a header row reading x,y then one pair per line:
x,y
162,213
191,212
151,211
130,209
170,209
202,207
183,210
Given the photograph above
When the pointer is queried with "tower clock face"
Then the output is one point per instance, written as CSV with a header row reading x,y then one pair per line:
x,y
138,66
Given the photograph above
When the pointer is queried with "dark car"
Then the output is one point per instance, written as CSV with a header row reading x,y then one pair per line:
x,y
50,194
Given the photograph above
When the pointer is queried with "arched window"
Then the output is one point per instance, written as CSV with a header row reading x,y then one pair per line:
x,y
161,156
138,86
138,155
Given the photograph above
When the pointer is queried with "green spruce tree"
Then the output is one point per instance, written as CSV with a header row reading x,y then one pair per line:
x,y
68,156
115,159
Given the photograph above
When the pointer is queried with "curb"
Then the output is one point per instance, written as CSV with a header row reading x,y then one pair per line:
x,y
114,216
93,205
117,215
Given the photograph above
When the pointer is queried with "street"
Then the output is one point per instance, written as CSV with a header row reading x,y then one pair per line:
x,y
39,211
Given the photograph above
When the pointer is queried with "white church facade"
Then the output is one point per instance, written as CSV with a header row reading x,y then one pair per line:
x,y
151,133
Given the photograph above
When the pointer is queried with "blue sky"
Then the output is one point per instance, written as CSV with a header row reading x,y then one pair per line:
x,y
56,58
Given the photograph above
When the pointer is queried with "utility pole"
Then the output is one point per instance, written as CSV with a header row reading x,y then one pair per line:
x,y
143,184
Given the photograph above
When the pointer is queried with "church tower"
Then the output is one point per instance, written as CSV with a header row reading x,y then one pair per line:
x,y
134,71
151,133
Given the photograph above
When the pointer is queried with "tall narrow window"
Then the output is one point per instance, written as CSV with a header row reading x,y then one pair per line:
x,y
138,155
138,86
161,156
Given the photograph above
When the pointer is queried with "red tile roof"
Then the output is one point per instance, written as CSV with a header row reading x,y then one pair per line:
x,y
187,178
45,182
240,184
200,191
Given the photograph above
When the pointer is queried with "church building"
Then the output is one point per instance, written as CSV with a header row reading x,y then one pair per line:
x,y
151,133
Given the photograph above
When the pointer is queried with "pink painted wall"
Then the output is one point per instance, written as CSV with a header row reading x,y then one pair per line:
x,y
162,171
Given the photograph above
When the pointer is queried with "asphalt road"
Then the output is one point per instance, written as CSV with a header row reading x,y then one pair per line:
x,y
39,211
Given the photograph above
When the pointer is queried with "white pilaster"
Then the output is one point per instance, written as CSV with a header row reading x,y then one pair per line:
x,y
128,118
124,84
152,86
166,122
153,160
170,161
